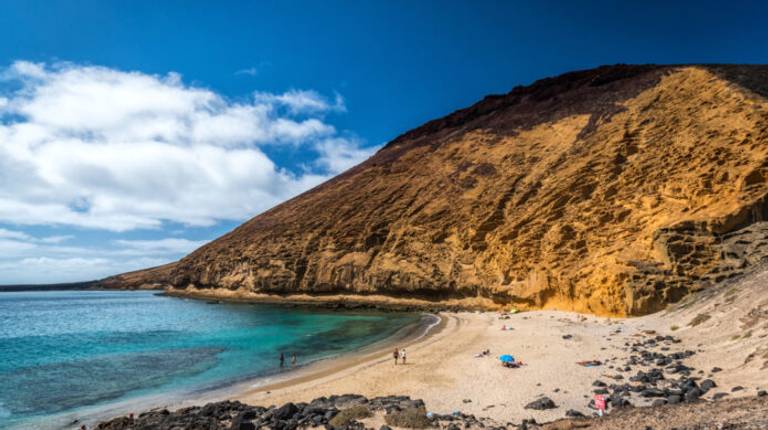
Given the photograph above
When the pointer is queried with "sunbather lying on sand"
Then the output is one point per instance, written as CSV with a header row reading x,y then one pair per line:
x,y
485,353
512,364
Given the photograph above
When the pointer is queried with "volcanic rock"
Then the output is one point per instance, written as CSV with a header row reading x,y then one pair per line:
x,y
572,413
541,404
707,385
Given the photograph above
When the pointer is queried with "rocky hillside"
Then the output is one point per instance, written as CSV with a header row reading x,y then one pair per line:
x,y
613,191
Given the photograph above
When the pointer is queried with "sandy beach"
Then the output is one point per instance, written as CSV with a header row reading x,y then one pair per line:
x,y
725,327
443,370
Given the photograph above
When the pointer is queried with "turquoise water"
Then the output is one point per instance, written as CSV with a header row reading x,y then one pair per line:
x,y
65,350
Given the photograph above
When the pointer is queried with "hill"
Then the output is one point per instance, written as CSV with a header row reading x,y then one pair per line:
x,y
614,191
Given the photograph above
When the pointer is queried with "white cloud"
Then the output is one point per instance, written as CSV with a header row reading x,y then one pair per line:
x,y
25,258
11,248
302,101
57,239
101,148
167,245
41,270
251,71
29,69
15,235
339,154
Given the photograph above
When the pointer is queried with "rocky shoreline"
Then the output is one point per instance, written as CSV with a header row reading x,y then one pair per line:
x,y
332,302
356,412
336,412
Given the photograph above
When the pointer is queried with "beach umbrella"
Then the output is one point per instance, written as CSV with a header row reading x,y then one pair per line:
x,y
506,358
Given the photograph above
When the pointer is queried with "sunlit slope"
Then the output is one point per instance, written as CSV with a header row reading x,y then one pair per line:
x,y
613,190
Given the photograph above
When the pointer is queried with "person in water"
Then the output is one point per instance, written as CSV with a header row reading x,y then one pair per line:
x,y
282,359
293,359
396,355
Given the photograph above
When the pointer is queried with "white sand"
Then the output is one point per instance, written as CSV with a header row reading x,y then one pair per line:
x,y
443,371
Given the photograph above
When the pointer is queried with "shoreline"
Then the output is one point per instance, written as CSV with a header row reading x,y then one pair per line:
x,y
408,336
424,328
445,371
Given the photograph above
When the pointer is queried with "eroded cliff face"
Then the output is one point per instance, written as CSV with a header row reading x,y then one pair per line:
x,y
613,191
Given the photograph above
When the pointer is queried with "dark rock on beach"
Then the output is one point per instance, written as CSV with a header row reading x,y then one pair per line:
x,y
692,395
333,412
286,411
541,404
572,413
320,413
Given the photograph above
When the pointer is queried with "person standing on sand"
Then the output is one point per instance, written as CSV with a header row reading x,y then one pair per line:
x,y
293,360
402,355
396,355
282,360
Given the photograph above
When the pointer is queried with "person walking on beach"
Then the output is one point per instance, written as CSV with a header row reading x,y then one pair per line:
x,y
282,360
293,360
396,355
402,355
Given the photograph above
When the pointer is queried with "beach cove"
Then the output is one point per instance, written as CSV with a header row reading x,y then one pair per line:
x,y
76,357
696,348
447,370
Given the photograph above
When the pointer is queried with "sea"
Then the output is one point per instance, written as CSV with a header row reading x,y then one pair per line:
x,y
68,354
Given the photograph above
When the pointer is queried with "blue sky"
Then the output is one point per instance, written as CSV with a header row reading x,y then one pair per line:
x,y
133,132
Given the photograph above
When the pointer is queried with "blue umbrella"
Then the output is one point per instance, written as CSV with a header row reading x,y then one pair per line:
x,y
506,358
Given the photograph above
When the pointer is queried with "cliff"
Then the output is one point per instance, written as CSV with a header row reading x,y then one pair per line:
x,y
614,191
